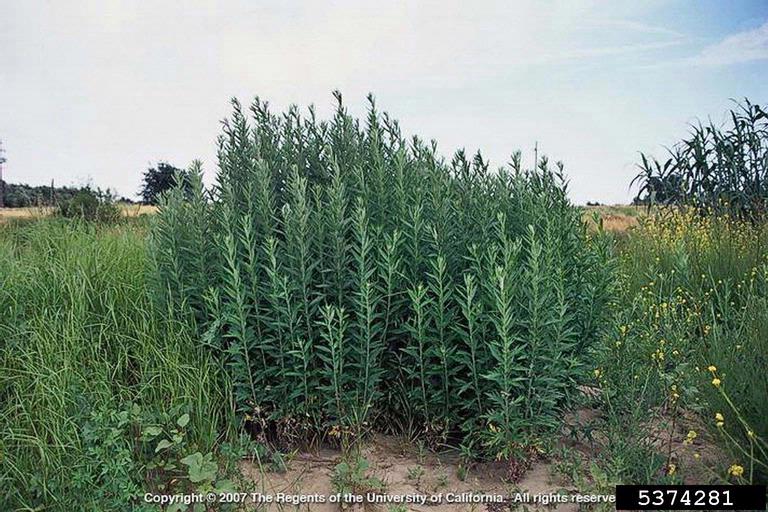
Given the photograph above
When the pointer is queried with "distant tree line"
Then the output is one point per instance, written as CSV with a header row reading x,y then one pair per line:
x,y
20,195
156,180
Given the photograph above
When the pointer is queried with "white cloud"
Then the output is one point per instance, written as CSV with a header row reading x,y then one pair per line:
x,y
744,46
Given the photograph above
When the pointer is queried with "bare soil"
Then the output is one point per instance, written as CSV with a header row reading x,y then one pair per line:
x,y
405,472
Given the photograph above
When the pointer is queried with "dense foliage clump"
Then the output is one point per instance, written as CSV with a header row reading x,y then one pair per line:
x,y
19,195
89,205
157,180
716,168
351,279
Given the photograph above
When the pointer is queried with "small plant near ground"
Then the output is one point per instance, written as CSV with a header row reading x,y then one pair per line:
x,y
415,473
353,477
441,481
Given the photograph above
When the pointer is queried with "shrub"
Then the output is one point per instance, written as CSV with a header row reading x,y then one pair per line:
x,y
158,180
351,279
89,205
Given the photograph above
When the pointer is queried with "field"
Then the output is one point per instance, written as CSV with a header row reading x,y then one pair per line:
x,y
415,329
75,367
7,214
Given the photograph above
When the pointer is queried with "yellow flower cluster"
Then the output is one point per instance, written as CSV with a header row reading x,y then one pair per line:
x,y
715,380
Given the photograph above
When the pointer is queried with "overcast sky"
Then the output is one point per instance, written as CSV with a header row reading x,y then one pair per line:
x,y
97,91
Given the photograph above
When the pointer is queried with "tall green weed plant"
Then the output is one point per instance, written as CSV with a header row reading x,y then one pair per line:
x,y
350,279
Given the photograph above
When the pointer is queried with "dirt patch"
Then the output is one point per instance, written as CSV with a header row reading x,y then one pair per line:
x,y
404,471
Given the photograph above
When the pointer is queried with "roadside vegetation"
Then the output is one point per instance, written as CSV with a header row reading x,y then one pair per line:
x,y
340,282
682,371
103,389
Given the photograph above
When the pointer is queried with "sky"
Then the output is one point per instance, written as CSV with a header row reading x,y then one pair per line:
x,y
94,92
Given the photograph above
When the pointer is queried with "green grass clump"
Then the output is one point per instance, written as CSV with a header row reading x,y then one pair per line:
x,y
350,279
690,340
93,373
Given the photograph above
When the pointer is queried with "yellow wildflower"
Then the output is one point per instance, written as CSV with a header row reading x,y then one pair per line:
x,y
735,470
716,382
712,368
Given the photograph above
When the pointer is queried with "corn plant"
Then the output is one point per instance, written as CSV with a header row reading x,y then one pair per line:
x,y
716,168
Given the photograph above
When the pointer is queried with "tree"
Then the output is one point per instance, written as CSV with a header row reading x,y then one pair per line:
x,y
158,180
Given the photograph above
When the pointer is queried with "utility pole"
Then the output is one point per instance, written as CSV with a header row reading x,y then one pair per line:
x,y
2,183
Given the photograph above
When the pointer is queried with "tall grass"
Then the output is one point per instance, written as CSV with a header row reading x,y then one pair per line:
x,y
717,168
86,357
338,256
690,336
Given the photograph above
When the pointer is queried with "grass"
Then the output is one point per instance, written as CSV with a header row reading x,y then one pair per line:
x,y
84,346
10,214
91,364
689,344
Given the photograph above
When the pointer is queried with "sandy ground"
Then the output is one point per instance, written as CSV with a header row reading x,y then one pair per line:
x,y
405,472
